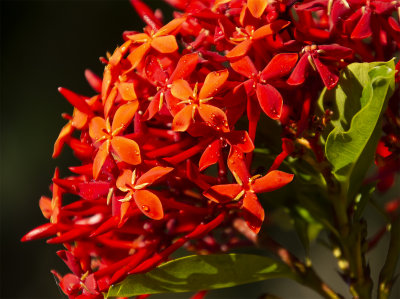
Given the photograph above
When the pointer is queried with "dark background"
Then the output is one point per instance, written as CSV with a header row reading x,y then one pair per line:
x,y
44,45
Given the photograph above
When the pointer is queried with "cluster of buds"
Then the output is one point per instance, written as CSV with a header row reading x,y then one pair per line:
x,y
166,156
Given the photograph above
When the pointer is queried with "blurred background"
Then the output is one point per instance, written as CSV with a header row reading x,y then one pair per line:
x,y
44,45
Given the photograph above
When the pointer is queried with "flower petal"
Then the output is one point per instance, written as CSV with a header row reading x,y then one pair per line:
x,y
210,155
273,180
124,115
136,56
153,174
244,66
253,212
270,29
299,73
237,165
257,7
279,66
212,83
328,77
240,49
183,119
181,89
270,100
97,126
64,135
165,44
241,139
170,27
126,149
185,66
100,158
125,179
363,28
149,204
76,100
214,117
127,91
223,193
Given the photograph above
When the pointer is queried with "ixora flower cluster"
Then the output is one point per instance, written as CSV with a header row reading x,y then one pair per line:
x,y
167,142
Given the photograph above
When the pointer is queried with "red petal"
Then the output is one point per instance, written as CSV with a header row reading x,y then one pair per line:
x,y
153,174
76,100
211,155
223,193
126,149
154,69
241,140
273,180
363,28
240,49
214,116
279,66
213,83
149,204
270,100
181,89
328,77
183,119
253,212
124,115
244,66
94,80
257,7
146,14
165,44
299,73
186,65
43,231
237,165
93,190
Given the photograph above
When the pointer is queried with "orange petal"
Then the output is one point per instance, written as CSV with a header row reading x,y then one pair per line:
x,y
257,7
125,179
170,27
124,115
153,174
136,56
107,80
45,206
139,38
213,83
100,158
97,125
109,102
271,181
244,66
240,50
253,212
149,204
165,44
127,91
270,29
119,53
183,119
126,149
65,133
214,116
124,210
79,119
181,89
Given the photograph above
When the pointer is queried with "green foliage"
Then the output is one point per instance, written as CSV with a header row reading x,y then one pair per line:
x,y
201,272
358,102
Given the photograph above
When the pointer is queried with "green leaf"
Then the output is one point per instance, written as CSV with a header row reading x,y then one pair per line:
x,y
201,272
358,102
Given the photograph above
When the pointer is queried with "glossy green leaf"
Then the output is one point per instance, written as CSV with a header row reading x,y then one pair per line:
x,y
357,102
201,272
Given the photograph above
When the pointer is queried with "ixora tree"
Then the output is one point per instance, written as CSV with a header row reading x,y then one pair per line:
x,y
182,142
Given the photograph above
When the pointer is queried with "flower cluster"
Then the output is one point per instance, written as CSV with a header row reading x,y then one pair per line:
x,y
167,141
